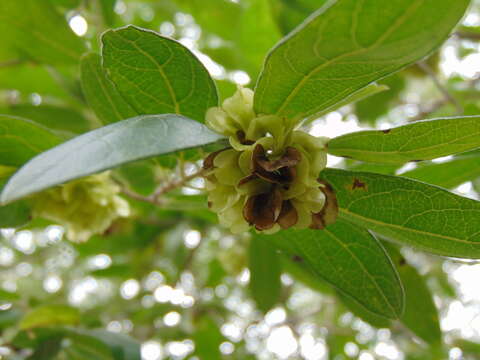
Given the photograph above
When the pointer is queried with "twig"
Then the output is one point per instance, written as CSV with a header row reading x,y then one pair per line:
x,y
446,94
9,63
432,108
467,35
155,198
175,184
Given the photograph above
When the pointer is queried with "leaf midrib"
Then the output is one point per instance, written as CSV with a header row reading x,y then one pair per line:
x,y
312,72
160,70
408,229
373,280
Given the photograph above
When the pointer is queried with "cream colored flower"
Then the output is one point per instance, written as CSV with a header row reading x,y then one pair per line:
x,y
85,207
268,178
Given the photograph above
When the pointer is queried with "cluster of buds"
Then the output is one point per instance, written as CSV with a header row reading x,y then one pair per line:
x,y
85,207
268,177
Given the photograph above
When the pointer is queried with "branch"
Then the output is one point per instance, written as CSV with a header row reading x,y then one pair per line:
x,y
446,94
428,110
467,35
10,63
155,198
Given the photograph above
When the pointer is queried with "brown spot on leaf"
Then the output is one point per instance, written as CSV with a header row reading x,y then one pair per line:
x,y
386,131
297,258
358,184
328,214
402,261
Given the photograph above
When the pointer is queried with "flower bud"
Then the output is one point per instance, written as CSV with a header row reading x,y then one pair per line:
x,y
85,207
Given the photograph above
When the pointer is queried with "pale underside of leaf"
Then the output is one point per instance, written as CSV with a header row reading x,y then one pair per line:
x,y
105,148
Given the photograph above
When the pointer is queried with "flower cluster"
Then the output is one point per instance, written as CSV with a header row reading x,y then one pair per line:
x,y
85,207
268,178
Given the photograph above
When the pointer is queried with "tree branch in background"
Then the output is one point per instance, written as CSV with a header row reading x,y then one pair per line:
x,y
446,94
468,35
156,197
425,112
9,63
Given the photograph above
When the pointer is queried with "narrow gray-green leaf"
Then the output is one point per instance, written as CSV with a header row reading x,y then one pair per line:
x,y
265,271
345,46
449,174
156,74
410,212
351,260
22,139
105,148
101,94
421,314
422,140
34,28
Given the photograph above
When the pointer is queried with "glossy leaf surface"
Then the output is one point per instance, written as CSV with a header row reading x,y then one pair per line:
x,y
410,212
351,260
105,148
156,74
423,140
345,46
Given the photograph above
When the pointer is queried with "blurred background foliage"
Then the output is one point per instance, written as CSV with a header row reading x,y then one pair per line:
x,y
168,281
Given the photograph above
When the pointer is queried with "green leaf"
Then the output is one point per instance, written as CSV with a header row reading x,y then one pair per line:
x,y
50,315
351,260
207,338
9,317
101,94
107,8
449,174
410,212
14,215
47,349
291,13
360,311
51,116
105,148
366,92
6,296
100,345
22,139
370,109
256,19
121,346
265,271
421,315
157,74
422,140
345,46
28,78
35,29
